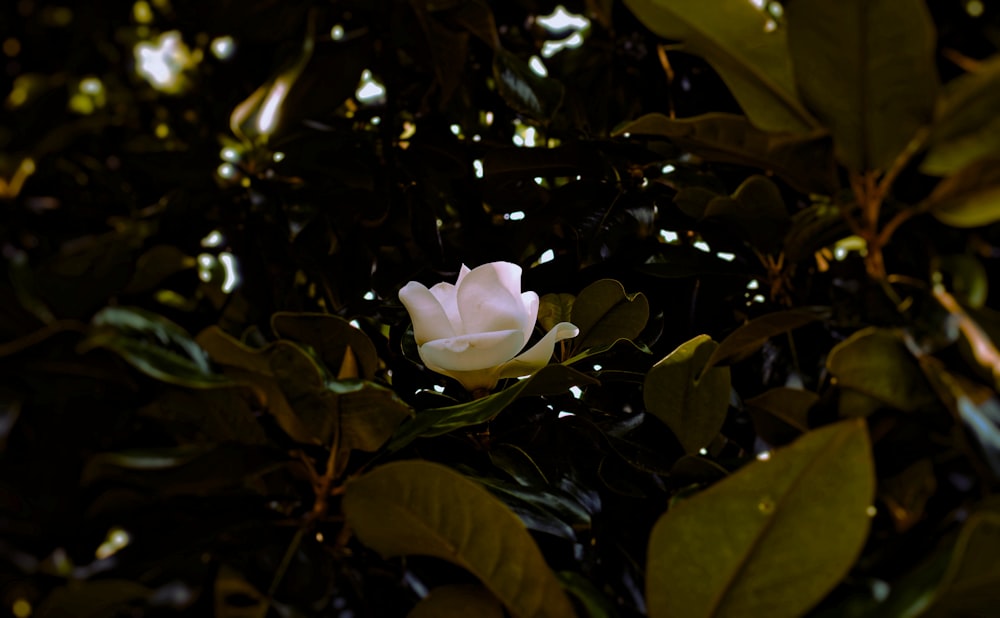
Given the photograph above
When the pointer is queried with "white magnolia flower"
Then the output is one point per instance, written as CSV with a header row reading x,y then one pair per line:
x,y
472,331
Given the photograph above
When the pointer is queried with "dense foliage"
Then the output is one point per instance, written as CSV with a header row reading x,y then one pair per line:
x,y
775,226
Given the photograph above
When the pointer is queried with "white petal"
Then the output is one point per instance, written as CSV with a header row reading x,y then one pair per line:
x,y
429,318
472,352
530,300
485,302
539,354
447,295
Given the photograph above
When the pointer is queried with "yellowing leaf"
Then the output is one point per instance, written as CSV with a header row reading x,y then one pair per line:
x,y
423,508
770,540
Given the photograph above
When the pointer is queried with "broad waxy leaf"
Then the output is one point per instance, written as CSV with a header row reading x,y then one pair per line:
x,y
457,601
524,91
141,338
423,508
551,379
689,395
866,69
731,36
604,313
330,336
803,161
966,126
771,539
555,308
969,198
876,363
750,337
971,583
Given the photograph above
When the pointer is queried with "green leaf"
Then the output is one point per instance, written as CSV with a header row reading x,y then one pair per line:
x,y
330,336
458,601
971,583
523,90
752,336
549,380
94,599
803,161
303,386
604,313
368,414
554,308
235,597
781,415
970,198
876,363
866,69
596,603
685,393
731,36
771,539
813,228
142,338
756,212
423,508
966,126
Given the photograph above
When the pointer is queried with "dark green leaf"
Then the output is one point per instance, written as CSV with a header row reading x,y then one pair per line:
x,y
969,198
780,415
803,161
523,90
752,336
397,510
330,336
748,545
604,313
458,601
554,308
966,127
866,69
732,36
688,395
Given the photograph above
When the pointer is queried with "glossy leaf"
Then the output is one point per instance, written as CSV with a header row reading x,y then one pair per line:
x,y
422,508
752,336
555,308
969,198
771,539
549,380
866,69
330,336
803,161
780,415
604,313
458,601
966,127
691,397
523,90
154,345
971,583
731,36
876,363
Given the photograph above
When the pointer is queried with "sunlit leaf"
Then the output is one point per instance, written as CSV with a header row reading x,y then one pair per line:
x,y
691,397
423,508
803,161
604,313
866,69
771,539
731,36
968,198
966,127
876,363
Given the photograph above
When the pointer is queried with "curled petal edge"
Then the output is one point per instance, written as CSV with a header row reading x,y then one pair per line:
x,y
539,354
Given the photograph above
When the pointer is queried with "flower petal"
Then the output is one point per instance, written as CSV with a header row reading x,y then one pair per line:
x,y
539,354
486,302
530,300
471,352
447,295
429,318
